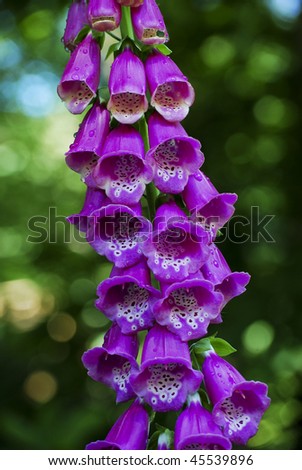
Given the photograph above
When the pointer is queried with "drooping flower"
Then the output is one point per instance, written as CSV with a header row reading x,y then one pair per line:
x,y
207,205
215,269
89,140
173,154
113,363
166,376
176,247
104,15
127,297
130,3
188,307
127,86
95,199
195,429
81,76
130,432
118,232
238,404
148,24
76,20
165,440
171,92
122,171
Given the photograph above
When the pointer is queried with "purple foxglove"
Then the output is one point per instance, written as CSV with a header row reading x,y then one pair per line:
x,y
173,154
130,3
122,171
94,199
171,92
127,297
188,307
113,363
127,86
75,22
195,429
177,247
86,148
148,24
238,404
207,205
166,377
130,432
230,284
104,15
81,77
118,232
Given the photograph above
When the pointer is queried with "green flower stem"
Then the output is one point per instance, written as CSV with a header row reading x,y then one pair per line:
x,y
126,23
151,191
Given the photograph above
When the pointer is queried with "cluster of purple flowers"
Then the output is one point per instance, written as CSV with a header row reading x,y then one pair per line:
x,y
192,281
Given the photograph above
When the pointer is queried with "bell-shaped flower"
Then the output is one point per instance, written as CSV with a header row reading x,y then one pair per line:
x,y
216,270
165,440
127,298
81,77
195,429
238,404
89,140
176,247
122,170
113,363
207,206
130,3
166,377
130,432
173,154
127,87
75,22
118,232
171,92
104,15
148,23
188,307
95,199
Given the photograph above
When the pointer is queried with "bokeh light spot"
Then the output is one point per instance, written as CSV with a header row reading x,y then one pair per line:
x,y
258,337
61,327
217,52
39,25
41,386
274,112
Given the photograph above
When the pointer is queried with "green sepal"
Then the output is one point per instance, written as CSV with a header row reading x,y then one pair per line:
x,y
113,48
220,346
99,37
82,34
153,441
163,49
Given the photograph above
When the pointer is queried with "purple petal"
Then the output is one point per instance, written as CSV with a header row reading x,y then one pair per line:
x,y
95,199
188,307
217,271
173,155
122,171
127,86
195,429
113,363
104,15
166,376
148,24
128,299
238,404
123,434
171,92
208,206
81,76
87,146
76,20
176,249
118,233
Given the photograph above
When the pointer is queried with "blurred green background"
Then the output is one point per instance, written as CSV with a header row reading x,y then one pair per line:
x,y
244,60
